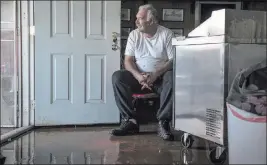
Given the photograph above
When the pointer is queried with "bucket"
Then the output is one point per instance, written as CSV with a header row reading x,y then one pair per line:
x,y
246,137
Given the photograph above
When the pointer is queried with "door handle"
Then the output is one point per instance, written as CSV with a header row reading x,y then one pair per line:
x,y
115,41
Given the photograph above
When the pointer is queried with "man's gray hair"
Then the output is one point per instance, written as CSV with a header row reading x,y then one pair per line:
x,y
151,12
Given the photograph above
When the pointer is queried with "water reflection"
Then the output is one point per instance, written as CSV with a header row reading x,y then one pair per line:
x,y
97,147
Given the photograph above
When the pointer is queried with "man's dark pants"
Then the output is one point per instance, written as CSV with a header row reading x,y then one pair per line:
x,y
124,85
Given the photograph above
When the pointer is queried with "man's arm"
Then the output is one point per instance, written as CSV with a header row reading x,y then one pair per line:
x,y
130,65
168,66
129,59
170,52
152,77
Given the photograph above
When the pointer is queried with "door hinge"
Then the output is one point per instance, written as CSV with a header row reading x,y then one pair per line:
x,y
17,108
33,105
18,31
17,103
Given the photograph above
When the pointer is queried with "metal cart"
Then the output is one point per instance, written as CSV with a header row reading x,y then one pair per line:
x,y
206,63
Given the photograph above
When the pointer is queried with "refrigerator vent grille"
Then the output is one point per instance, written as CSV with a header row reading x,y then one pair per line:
x,y
213,123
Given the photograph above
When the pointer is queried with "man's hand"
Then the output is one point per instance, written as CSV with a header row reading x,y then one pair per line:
x,y
145,85
141,78
147,79
152,77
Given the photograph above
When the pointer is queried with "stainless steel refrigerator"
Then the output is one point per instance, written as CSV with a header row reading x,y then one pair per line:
x,y
205,65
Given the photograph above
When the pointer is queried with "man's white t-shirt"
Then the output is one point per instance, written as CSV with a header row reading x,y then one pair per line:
x,y
150,53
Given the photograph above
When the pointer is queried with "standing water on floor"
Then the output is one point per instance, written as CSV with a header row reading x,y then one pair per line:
x,y
96,146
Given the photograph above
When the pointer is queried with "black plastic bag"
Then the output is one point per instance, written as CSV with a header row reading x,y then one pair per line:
x,y
249,89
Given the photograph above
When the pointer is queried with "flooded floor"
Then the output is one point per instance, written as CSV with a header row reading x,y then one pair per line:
x,y
95,146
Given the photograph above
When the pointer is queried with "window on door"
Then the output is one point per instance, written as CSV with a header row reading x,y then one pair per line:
x,y
8,61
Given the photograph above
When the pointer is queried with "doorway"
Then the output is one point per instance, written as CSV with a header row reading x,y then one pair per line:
x,y
16,69
206,9
203,9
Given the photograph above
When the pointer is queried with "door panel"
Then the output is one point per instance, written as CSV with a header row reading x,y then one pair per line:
x,y
75,62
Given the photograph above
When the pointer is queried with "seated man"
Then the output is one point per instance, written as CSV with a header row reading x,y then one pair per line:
x,y
148,62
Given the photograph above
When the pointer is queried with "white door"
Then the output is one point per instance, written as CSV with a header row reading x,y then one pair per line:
x,y
75,61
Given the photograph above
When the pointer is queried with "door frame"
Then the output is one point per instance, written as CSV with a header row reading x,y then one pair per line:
x,y
198,4
26,101
24,111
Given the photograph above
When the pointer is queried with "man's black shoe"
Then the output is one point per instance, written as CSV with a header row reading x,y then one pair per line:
x,y
126,128
164,131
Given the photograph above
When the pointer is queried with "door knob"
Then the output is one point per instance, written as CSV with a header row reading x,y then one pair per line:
x,y
115,34
115,41
115,47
